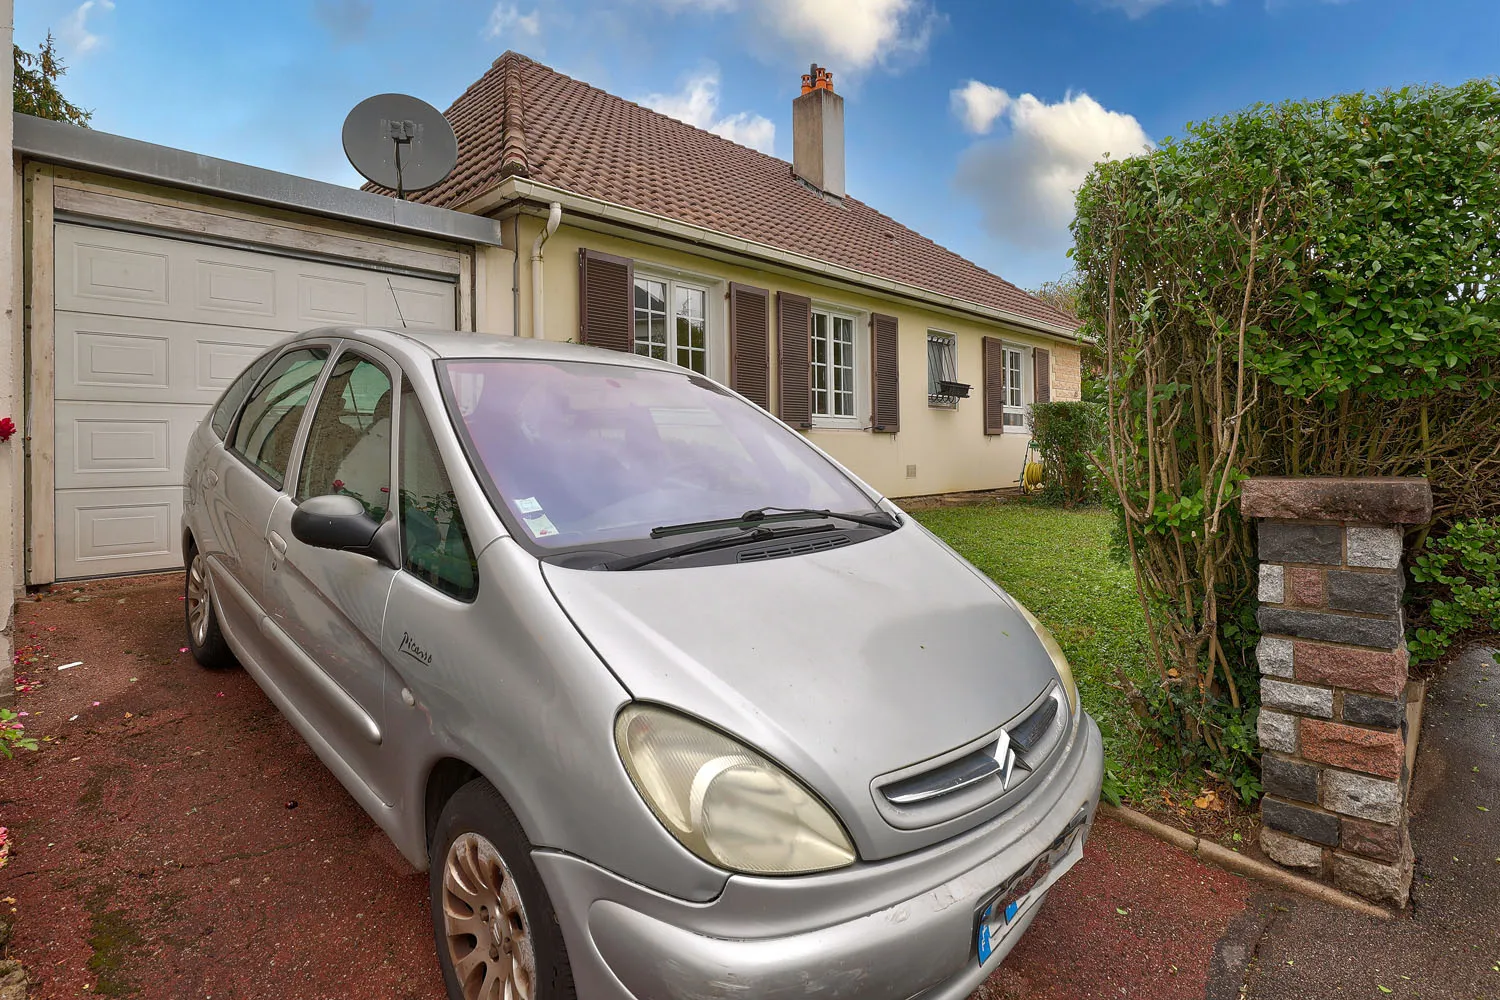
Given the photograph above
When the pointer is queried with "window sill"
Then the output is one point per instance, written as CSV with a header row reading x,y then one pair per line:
x,y
938,403
839,424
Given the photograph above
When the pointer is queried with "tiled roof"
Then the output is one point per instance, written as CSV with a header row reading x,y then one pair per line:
x,y
525,119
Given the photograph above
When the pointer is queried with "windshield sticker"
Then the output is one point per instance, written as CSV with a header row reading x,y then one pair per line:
x,y
528,505
541,526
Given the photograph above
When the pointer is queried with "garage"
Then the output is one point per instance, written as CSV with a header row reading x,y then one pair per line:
x,y
148,331
152,276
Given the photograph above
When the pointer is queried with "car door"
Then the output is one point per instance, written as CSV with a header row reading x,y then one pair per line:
x,y
247,484
326,605
431,625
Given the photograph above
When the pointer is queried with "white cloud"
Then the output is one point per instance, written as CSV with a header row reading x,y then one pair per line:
x,y
748,129
978,105
75,27
846,34
1025,181
506,19
697,103
1140,8
853,34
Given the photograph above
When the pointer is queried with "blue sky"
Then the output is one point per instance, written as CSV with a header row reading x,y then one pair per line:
x,y
1043,86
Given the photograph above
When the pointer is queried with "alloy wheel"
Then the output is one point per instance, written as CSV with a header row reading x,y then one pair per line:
x,y
484,921
199,605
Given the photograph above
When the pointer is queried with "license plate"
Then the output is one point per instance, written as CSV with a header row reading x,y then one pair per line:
x,y
1028,884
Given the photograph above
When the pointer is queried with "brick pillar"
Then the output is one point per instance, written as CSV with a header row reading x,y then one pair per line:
x,y
1333,667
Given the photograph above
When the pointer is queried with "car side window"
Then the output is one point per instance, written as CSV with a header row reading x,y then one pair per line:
x,y
349,440
433,539
229,403
268,428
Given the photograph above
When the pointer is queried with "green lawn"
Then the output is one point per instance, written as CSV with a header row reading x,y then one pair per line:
x,y
1056,562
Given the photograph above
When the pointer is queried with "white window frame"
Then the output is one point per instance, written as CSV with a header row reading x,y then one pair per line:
x,y
1021,353
934,400
860,328
715,314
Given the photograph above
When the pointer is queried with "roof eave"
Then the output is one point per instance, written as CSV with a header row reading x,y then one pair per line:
x,y
520,189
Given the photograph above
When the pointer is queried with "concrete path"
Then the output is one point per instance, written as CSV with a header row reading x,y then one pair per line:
x,y
1449,947
181,841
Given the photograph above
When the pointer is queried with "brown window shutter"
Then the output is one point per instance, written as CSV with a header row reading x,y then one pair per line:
x,y
606,301
1042,367
994,386
750,343
794,359
885,342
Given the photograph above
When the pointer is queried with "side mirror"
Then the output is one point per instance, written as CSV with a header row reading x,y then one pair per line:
x,y
340,522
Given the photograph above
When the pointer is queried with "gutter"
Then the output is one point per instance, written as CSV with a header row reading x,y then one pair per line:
x,y
610,217
100,152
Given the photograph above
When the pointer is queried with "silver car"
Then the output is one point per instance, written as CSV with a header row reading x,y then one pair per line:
x,y
667,702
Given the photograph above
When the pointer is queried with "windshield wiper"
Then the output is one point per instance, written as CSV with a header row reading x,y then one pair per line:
x,y
761,515
709,544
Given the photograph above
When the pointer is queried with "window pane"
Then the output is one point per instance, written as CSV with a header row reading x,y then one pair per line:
x,y
843,366
820,399
349,441
435,546
268,428
651,318
230,402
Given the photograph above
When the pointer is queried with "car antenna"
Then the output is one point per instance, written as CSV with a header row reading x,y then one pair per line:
x,y
396,299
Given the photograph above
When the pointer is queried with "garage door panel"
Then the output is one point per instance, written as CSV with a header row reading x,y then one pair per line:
x,y
323,299
111,277
422,305
244,291
122,444
117,531
127,359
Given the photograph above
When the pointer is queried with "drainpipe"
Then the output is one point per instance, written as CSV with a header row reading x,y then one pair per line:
x,y
554,216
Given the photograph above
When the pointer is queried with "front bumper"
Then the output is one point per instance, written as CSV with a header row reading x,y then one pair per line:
x,y
893,930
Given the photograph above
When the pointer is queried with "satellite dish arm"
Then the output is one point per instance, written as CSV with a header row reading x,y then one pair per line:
x,y
554,218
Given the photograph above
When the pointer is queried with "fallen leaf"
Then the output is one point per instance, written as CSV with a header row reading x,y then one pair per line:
x,y
1121,912
1383,989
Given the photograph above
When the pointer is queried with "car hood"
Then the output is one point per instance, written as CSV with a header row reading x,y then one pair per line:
x,y
842,665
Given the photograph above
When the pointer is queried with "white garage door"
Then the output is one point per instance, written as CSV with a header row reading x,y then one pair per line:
x,y
149,331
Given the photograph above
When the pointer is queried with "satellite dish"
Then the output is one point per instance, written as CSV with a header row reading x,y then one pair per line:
x,y
399,142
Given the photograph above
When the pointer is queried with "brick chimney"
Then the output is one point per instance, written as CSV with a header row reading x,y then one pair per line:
x,y
818,133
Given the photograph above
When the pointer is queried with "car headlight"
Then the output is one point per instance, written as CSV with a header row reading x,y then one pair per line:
x,y
1059,660
725,802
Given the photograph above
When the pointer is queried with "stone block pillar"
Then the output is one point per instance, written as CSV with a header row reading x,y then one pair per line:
x,y
1333,666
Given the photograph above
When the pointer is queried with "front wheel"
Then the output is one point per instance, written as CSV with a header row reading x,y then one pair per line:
x,y
497,935
205,640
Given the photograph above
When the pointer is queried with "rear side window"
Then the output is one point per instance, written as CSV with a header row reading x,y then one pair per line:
x,y
268,428
229,403
433,539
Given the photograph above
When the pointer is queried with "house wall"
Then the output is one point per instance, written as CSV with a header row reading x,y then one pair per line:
x,y
937,450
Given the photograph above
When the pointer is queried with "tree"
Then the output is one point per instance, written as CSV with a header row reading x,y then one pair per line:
x,y
36,90
1062,293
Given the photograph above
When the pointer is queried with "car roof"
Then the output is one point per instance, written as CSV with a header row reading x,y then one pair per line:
x,y
467,344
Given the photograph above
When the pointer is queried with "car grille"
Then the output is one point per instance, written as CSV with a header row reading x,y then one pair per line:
x,y
998,766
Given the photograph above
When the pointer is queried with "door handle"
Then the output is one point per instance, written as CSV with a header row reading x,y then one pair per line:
x,y
278,544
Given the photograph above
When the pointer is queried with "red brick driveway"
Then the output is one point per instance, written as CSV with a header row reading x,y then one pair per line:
x,y
177,839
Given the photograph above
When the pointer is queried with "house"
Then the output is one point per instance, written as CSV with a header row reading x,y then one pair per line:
x,y
767,275
142,278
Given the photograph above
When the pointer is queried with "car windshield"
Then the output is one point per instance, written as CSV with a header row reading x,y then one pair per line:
x,y
583,453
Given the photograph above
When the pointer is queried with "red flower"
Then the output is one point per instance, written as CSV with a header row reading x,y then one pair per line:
x,y
7,428
338,484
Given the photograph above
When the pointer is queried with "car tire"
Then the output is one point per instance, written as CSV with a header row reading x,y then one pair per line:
x,y
205,639
480,869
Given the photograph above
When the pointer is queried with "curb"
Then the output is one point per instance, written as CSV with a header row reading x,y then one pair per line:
x,y
1207,850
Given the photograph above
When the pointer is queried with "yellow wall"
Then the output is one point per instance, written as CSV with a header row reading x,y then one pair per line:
x,y
948,448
